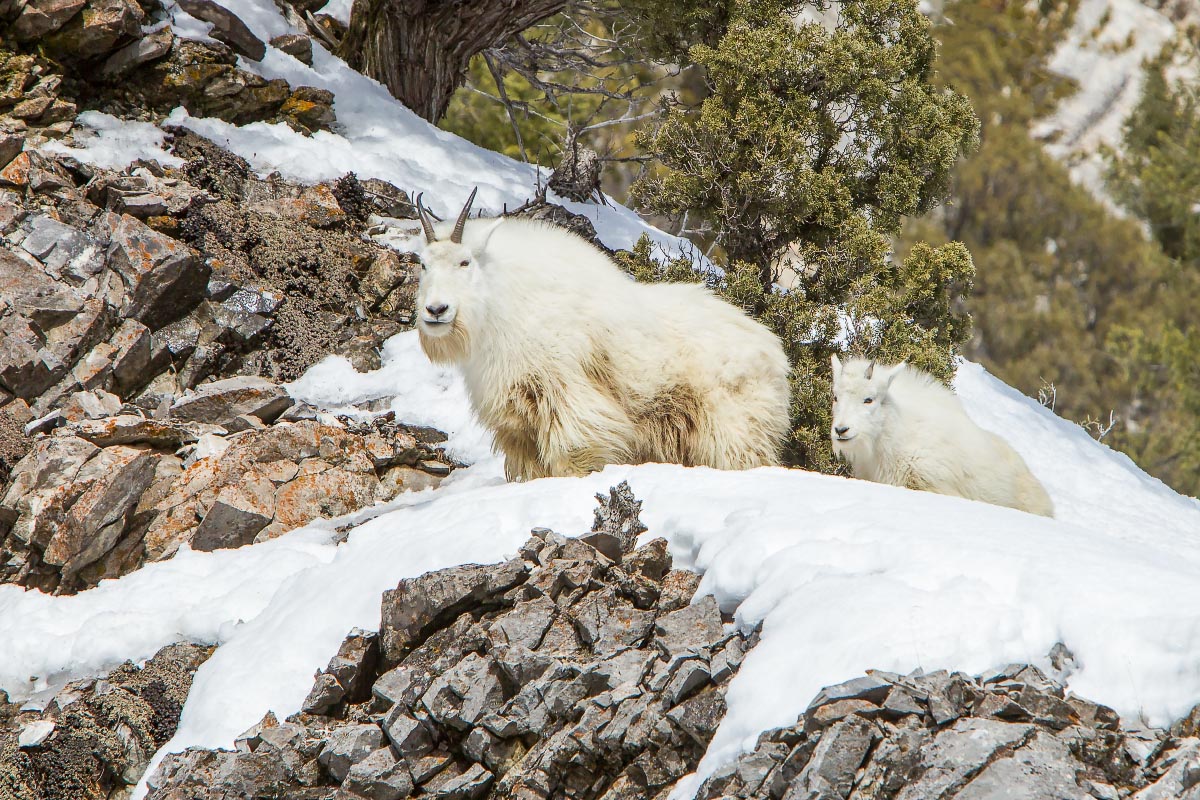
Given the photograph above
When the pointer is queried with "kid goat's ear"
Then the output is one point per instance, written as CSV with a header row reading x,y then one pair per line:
x,y
835,363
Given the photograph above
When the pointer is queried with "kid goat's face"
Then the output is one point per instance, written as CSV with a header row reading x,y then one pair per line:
x,y
859,391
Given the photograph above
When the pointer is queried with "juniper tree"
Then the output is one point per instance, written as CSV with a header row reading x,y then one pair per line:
x,y
818,131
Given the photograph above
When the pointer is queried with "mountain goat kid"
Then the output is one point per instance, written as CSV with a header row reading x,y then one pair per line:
x,y
898,425
573,365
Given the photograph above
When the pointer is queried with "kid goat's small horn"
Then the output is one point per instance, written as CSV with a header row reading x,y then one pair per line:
x,y
456,234
425,223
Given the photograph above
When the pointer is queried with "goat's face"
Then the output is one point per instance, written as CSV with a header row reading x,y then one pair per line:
x,y
449,279
449,286
860,389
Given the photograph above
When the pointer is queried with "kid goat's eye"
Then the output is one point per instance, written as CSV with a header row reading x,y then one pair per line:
x,y
869,400
464,263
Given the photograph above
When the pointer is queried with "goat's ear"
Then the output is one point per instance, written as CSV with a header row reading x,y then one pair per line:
x,y
481,245
894,371
836,363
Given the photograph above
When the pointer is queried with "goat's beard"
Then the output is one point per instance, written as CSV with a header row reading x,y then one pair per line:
x,y
448,348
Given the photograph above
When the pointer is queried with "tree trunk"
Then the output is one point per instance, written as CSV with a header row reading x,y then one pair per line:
x,y
420,49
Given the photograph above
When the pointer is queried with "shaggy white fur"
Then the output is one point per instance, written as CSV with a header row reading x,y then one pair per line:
x,y
895,424
573,365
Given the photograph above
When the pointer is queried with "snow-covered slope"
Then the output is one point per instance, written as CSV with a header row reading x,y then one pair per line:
x,y
1103,53
378,138
843,575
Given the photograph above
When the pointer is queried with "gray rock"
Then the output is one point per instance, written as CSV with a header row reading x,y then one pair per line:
x,y
416,604
460,696
27,366
900,703
691,627
10,145
65,251
379,776
142,51
469,785
133,429
604,621
831,770
229,523
141,205
1181,778
40,17
102,27
98,518
868,687
355,663
221,402
131,355
410,736
960,752
295,45
165,278
618,516
1043,769
347,746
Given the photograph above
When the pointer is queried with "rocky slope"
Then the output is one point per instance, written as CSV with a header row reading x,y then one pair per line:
x,y
577,670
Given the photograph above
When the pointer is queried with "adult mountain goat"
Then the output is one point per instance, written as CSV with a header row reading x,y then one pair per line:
x,y
573,365
898,425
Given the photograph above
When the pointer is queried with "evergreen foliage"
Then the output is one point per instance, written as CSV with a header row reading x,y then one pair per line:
x,y
814,138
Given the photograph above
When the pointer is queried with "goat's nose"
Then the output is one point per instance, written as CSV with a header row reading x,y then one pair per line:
x,y
436,310
842,430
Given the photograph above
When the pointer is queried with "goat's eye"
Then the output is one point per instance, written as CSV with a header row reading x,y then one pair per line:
x,y
835,398
464,263
869,400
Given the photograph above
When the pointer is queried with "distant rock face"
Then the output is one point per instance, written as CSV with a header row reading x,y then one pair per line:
x,y
95,738
559,673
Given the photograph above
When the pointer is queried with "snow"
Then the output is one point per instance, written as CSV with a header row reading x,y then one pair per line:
x,y
1103,53
114,143
380,138
843,575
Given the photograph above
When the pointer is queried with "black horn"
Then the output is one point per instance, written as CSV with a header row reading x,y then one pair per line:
x,y
425,223
456,234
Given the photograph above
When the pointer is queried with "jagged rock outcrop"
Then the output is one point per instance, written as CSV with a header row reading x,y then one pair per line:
x,y
125,295
567,673
95,738
116,56
228,465
560,673
1012,732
